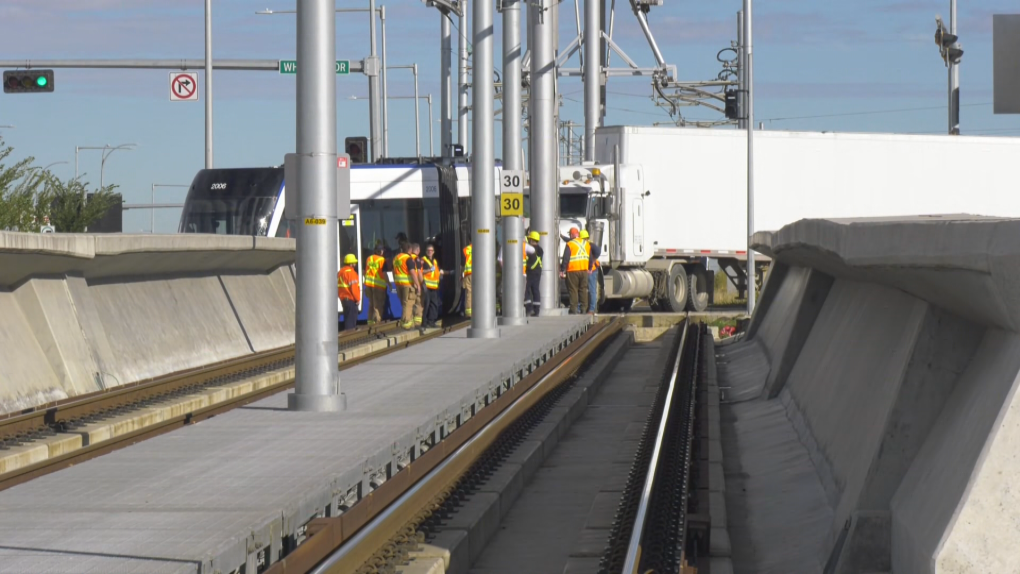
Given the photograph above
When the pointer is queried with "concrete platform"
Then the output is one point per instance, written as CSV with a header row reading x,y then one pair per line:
x,y
228,491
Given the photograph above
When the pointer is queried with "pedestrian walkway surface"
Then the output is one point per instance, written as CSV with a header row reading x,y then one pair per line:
x,y
562,520
226,492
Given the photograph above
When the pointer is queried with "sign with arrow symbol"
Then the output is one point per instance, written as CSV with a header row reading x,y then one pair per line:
x,y
183,87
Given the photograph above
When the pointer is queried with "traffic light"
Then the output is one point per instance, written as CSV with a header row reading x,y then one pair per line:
x,y
948,48
357,148
28,81
732,110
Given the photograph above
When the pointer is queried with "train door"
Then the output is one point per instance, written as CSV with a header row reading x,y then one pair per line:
x,y
349,239
449,242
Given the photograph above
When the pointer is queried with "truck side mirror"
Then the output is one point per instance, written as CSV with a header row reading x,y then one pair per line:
x,y
608,206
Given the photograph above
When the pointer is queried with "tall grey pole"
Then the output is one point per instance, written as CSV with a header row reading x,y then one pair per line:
x,y
317,383
445,79
749,79
544,149
374,104
385,92
483,166
432,152
592,76
513,227
462,80
954,80
417,120
741,120
208,86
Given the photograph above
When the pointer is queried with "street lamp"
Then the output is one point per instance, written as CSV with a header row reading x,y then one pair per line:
x,y
381,10
951,52
107,150
417,122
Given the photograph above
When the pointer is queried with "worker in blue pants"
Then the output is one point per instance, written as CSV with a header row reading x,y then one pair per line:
x,y
593,273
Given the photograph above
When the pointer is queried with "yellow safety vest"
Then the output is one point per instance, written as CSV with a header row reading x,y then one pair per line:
x,y
400,274
431,274
467,260
373,272
579,254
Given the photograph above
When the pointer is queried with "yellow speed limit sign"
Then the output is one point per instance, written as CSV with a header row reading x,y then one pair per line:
x,y
511,196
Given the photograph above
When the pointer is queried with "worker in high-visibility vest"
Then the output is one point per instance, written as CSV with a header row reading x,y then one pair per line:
x,y
405,285
533,274
574,268
416,269
431,273
348,289
594,251
376,283
466,281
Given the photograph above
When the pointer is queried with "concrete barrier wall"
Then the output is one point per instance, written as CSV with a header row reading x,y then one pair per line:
x,y
82,313
893,347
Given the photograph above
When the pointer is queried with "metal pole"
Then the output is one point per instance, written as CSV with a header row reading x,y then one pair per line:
x,y
445,79
385,91
544,150
513,227
75,162
749,79
417,120
152,212
374,104
954,80
432,152
483,165
741,120
462,80
208,86
102,168
592,76
317,383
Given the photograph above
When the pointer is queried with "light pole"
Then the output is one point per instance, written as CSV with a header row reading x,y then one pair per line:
x,y
949,49
417,122
208,86
432,152
107,150
749,102
152,201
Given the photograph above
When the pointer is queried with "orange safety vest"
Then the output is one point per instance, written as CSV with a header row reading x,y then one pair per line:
x,y
467,260
347,285
400,269
579,254
524,258
431,273
373,272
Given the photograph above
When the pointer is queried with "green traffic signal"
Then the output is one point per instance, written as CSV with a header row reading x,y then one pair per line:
x,y
41,81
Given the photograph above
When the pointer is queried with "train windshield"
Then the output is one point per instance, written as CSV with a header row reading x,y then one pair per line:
x,y
232,201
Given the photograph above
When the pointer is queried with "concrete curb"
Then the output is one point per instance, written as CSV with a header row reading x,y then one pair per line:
x,y
467,533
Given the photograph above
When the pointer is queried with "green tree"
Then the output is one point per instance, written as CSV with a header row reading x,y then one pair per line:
x,y
71,209
20,209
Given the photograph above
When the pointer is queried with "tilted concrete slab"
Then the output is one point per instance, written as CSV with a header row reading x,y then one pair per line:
x,y
885,438
83,313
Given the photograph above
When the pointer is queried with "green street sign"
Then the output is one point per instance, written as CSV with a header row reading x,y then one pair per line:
x,y
343,67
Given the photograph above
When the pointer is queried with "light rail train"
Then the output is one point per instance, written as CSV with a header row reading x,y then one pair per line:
x,y
426,201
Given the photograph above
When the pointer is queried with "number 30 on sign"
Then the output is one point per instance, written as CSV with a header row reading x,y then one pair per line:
x,y
511,198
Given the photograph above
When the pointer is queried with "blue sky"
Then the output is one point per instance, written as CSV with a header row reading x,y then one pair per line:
x,y
869,65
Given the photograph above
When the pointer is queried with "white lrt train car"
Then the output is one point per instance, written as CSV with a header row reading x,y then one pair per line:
x,y
426,202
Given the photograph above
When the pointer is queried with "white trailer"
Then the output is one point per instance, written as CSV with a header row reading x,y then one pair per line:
x,y
662,201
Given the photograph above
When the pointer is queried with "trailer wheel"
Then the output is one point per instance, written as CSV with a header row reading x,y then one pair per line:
x,y
677,288
699,290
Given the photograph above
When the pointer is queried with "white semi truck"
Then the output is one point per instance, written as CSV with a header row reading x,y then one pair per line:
x,y
662,202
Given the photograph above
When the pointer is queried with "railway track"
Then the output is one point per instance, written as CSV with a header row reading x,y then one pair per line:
x,y
57,435
384,531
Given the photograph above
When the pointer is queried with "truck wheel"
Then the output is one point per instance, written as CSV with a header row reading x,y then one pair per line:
x,y
698,298
677,287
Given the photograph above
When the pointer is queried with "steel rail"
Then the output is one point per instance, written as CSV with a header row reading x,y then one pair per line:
x,y
345,542
630,563
53,464
41,416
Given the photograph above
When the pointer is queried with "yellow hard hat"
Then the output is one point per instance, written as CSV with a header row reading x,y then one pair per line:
x,y
350,259
534,236
584,234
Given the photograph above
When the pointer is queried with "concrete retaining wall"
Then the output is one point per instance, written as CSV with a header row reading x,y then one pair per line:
x,y
893,347
81,313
